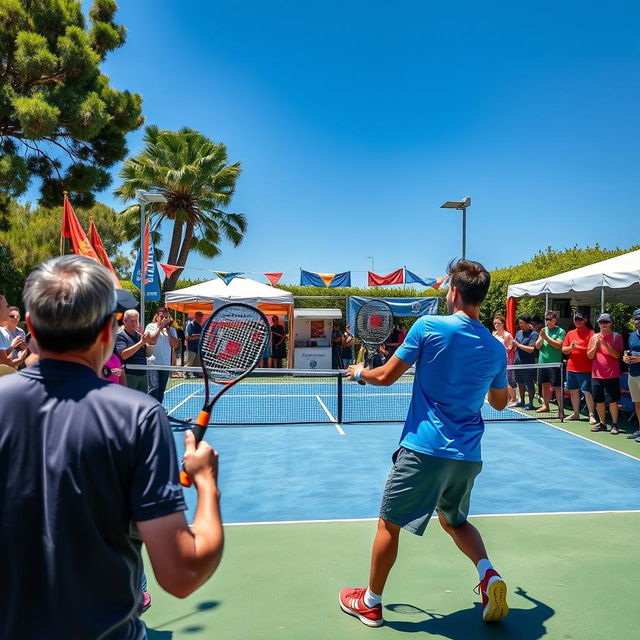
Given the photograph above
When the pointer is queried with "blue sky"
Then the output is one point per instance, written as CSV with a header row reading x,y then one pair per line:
x,y
354,121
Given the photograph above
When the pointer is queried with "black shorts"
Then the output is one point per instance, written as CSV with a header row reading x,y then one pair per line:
x,y
550,374
605,389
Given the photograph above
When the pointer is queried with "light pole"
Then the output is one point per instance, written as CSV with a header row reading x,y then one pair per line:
x,y
144,198
460,205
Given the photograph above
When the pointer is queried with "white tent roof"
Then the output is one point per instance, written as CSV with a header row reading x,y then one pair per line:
x,y
619,276
238,290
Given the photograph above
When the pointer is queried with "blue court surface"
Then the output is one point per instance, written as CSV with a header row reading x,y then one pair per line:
x,y
311,472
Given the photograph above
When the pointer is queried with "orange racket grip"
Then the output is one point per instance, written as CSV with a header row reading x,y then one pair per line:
x,y
198,431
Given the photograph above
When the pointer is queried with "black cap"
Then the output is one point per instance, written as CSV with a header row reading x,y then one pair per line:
x,y
578,315
125,300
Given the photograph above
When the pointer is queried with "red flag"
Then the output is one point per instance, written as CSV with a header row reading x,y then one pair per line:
x,y
396,277
98,247
169,269
273,278
441,281
71,229
511,316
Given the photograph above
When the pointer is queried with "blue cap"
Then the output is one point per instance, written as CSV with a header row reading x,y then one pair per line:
x,y
604,317
636,314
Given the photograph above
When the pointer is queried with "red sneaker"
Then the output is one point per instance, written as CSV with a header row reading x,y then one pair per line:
x,y
493,590
352,602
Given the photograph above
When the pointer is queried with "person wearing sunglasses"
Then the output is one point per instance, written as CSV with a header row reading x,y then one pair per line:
x,y
575,346
605,349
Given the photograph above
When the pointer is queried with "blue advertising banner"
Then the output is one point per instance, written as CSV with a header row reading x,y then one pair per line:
x,y
399,306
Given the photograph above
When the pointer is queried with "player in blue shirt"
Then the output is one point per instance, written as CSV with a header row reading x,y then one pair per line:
x,y
458,364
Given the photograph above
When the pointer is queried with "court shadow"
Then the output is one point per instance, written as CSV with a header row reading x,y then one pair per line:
x,y
520,624
206,605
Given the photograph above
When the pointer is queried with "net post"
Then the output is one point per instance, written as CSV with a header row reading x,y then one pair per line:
x,y
339,390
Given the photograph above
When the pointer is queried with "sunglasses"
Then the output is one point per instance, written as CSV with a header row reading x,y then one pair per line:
x,y
14,317
604,322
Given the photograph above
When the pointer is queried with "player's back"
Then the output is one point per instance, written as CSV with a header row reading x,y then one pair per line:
x,y
457,360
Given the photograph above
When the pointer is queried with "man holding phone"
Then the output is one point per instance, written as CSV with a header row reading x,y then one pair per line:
x,y
164,339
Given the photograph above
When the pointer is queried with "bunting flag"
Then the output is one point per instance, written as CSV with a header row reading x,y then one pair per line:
x,y
169,269
148,266
307,278
273,278
375,280
227,276
71,229
101,252
410,277
441,281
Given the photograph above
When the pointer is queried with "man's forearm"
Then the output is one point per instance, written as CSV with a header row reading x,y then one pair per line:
x,y
125,354
208,535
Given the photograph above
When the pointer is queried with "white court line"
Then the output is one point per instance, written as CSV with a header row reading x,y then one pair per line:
x,y
336,424
181,403
480,515
577,435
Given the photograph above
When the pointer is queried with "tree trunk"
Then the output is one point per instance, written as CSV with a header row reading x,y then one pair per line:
x,y
176,236
170,283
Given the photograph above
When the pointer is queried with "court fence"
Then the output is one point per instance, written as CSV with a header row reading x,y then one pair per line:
x,y
286,396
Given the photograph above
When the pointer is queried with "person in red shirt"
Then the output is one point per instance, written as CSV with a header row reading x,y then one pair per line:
x,y
575,345
605,349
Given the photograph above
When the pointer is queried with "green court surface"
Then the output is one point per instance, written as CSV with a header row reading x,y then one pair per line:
x,y
570,577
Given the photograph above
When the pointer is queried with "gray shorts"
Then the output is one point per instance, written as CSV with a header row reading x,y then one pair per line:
x,y
418,484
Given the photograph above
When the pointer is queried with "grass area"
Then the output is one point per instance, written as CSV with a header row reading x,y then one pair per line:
x,y
569,577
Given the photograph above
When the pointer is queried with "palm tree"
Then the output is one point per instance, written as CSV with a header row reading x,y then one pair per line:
x,y
191,171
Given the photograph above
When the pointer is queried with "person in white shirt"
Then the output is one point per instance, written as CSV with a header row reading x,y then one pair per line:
x,y
163,340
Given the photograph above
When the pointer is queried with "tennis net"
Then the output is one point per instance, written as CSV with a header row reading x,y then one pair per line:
x,y
285,396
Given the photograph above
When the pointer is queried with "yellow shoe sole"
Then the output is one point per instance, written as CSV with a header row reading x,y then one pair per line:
x,y
497,607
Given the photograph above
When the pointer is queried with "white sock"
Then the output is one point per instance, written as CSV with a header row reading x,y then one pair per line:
x,y
483,566
371,599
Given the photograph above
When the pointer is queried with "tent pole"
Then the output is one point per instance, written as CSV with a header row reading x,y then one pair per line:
x,y
546,302
601,299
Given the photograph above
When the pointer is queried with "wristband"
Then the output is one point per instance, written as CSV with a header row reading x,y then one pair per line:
x,y
356,375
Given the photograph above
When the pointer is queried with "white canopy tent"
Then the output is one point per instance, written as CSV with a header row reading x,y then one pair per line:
x,y
616,279
205,295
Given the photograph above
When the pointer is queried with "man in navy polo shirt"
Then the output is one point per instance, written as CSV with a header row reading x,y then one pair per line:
x,y
439,456
131,347
83,464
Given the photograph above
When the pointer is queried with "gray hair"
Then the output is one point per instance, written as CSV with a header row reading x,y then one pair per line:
x,y
69,299
131,312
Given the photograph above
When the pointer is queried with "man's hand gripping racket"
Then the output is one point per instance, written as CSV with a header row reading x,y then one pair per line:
x,y
374,324
231,345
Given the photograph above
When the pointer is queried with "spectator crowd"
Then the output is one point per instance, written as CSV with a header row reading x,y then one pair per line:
x,y
593,367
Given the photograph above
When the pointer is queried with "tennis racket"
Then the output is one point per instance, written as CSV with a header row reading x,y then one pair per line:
x,y
231,345
374,324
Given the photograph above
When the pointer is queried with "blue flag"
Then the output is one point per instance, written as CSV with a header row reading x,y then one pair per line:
x,y
410,277
151,275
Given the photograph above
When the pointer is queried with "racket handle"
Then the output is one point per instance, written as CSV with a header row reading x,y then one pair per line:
x,y
199,430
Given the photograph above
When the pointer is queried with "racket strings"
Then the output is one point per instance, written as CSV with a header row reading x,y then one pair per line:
x,y
233,343
374,322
